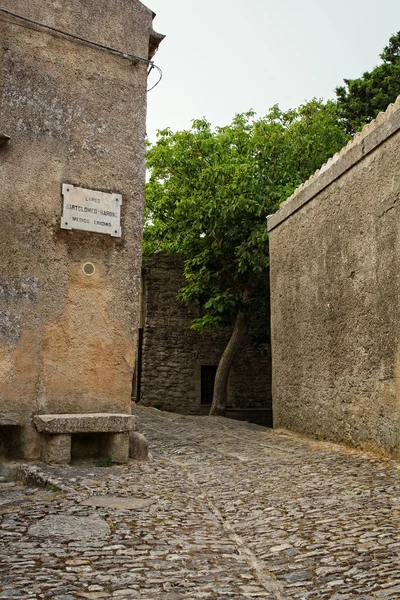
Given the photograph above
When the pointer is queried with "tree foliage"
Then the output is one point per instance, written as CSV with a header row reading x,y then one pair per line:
x,y
360,100
210,191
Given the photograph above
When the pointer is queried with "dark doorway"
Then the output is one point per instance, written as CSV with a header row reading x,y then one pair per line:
x,y
10,442
208,373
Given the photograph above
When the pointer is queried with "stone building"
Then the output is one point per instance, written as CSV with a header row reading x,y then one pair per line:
x,y
335,285
177,365
72,168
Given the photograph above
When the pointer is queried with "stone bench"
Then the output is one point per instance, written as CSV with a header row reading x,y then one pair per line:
x,y
57,430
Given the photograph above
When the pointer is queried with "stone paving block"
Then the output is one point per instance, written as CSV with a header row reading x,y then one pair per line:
x,y
117,502
70,527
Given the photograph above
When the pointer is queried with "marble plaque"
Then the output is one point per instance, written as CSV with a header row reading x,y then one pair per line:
x,y
91,210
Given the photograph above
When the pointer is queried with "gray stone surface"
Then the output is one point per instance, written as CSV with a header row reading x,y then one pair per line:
x,y
117,502
56,449
70,528
138,446
278,517
10,326
8,471
173,353
108,436
364,142
117,447
85,423
19,289
335,301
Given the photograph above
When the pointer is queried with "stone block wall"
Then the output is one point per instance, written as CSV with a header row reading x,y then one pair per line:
x,y
173,354
335,286
74,114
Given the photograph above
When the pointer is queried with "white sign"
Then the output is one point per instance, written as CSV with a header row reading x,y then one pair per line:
x,y
90,210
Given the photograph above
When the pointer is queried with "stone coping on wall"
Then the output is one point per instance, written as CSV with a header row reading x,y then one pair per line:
x,y
85,423
364,142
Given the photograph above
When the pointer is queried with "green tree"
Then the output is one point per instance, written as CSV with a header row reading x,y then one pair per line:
x,y
360,100
207,200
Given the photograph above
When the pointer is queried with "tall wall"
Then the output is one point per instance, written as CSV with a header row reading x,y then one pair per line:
x,y
74,114
173,354
335,284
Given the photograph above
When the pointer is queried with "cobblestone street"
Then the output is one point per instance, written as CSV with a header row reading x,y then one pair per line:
x,y
224,510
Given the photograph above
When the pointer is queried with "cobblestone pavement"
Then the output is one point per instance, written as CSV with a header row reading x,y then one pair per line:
x,y
233,511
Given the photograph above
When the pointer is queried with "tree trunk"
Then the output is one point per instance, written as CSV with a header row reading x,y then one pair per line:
x,y
218,405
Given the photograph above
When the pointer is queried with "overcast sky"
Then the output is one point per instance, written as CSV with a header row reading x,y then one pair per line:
x,y
221,57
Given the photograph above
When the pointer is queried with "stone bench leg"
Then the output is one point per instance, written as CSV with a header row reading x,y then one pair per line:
x,y
118,447
56,448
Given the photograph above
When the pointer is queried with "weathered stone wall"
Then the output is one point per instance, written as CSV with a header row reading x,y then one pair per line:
x,y
335,284
173,354
74,114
